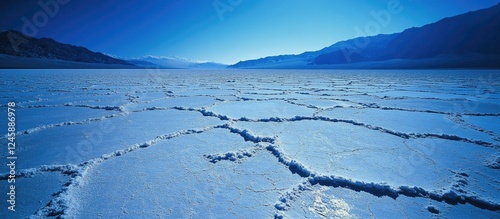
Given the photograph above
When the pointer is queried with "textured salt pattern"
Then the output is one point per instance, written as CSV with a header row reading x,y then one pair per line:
x,y
256,143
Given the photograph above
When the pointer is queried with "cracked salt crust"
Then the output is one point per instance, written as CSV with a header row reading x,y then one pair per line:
x,y
311,144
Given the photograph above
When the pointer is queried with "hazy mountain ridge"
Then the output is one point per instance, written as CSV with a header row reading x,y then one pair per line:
x,y
473,34
172,62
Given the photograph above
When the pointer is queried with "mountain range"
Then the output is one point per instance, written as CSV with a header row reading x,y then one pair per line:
x,y
15,44
21,51
468,40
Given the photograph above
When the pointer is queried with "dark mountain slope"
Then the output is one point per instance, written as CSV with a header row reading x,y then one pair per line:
x,y
14,43
470,33
473,35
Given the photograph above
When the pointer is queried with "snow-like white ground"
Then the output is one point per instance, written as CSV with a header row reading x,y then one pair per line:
x,y
253,143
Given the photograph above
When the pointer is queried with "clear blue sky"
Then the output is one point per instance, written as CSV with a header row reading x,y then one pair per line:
x,y
246,29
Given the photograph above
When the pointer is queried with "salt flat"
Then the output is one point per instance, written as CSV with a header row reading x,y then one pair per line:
x,y
254,143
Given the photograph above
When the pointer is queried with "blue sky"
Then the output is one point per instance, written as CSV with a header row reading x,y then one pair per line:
x,y
228,32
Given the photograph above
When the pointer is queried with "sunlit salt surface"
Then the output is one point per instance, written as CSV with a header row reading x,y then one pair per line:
x,y
254,143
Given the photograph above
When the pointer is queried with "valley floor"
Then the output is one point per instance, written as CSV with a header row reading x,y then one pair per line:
x,y
253,143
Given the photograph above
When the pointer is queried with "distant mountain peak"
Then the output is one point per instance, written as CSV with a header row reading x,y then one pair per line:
x,y
173,62
176,58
